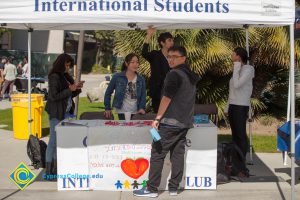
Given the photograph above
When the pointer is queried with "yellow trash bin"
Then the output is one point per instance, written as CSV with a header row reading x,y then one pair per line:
x,y
19,104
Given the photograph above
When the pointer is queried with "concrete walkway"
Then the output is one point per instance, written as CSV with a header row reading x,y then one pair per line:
x,y
270,180
4,104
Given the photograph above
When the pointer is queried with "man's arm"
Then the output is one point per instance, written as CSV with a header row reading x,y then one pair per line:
x,y
150,31
164,103
5,71
145,51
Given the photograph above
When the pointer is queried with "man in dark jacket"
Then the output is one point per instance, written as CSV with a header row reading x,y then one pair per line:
x,y
174,118
159,65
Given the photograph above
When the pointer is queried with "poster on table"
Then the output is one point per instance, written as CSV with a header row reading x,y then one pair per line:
x,y
122,156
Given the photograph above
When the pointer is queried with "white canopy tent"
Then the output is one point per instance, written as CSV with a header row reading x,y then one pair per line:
x,y
163,14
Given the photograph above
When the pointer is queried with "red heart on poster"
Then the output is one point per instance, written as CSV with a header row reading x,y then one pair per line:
x,y
134,168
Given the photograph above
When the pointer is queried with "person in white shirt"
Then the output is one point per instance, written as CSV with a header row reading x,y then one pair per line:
x,y
25,69
10,74
240,91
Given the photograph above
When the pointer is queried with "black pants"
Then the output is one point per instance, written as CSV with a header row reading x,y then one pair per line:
x,y
173,140
155,104
238,119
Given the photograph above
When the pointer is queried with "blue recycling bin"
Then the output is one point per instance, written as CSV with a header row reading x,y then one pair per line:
x,y
284,138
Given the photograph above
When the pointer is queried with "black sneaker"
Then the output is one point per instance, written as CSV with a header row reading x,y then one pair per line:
x,y
144,192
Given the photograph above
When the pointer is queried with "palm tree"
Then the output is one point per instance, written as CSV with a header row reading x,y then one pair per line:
x,y
3,30
105,46
209,53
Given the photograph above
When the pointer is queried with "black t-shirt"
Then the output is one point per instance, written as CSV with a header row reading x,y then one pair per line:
x,y
159,67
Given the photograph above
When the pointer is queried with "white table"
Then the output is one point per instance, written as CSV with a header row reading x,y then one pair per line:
x,y
99,156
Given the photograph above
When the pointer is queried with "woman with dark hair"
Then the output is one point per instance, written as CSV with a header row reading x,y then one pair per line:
x,y
60,105
130,90
240,90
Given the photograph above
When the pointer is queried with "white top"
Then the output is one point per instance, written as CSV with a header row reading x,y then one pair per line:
x,y
25,70
130,98
10,72
240,85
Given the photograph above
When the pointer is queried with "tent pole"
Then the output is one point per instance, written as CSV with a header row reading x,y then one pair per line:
x,y
78,65
292,82
250,110
288,114
30,30
289,101
284,153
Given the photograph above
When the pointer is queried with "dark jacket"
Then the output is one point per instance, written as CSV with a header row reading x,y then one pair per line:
x,y
180,86
159,67
118,84
59,94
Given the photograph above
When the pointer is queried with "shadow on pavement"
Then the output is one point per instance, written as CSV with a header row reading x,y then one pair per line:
x,y
11,194
261,173
39,177
287,170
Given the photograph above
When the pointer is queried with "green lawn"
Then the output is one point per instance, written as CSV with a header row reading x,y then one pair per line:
x,y
261,143
84,106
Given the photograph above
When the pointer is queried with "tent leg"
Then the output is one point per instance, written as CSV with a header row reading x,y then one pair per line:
x,y
250,139
78,65
250,111
284,157
288,114
29,81
292,100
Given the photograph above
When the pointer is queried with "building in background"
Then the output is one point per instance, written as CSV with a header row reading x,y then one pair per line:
x,y
5,41
45,47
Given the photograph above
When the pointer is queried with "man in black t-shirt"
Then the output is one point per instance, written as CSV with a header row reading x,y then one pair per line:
x,y
159,65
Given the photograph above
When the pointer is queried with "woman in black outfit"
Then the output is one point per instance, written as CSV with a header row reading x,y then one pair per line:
x,y
60,105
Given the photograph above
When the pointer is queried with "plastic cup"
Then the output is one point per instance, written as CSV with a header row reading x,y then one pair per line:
x,y
127,116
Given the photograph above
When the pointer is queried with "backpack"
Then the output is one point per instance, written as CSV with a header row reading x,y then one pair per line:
x,y
36,151
231,163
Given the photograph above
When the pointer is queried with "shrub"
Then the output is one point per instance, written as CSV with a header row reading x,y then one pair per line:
x,y
99,69
266,120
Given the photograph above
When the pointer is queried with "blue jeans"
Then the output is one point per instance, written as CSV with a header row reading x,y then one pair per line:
x,y
51,148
